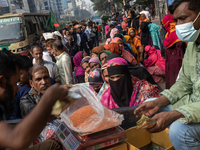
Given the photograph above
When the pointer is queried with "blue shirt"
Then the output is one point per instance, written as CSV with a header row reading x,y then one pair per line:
x,y
23,90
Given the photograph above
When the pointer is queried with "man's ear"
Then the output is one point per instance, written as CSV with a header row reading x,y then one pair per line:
x,y
31,83
3,81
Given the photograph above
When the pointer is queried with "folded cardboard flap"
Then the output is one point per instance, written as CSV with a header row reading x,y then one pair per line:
x,y
138,138
119,146
162,139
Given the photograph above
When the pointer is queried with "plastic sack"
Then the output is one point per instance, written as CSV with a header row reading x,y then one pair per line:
x,y
94,121
49,131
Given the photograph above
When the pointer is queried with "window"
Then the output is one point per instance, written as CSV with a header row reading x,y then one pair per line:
x,y
30,28
45,3
45,19
77,0
38,23
46,8
42,22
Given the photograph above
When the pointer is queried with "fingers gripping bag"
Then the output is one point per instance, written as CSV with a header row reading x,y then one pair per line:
x,y
87,114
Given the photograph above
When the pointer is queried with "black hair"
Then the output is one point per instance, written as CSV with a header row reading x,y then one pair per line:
x,y
8,63
43,39
97,23
112,26
143,7
193,5
58,45
34,45
27,63
38,68
119,35
117,13
35,39
124,32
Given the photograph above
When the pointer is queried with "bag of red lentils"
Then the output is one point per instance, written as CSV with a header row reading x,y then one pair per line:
x,y
87,114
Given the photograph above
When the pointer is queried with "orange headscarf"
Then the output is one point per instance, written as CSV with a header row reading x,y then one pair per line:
x,y
135,43
112,47
142,20
97,49
129,30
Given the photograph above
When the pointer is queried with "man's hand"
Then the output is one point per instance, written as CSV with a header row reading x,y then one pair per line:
x,y
57,91
141,49
145,55
151,107
164,119
147,108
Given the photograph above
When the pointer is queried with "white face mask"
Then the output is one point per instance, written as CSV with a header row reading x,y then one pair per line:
x,y
186,32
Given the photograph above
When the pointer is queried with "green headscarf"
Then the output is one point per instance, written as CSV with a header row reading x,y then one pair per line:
x,y
105,51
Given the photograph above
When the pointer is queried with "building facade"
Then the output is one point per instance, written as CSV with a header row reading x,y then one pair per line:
x,y
79,4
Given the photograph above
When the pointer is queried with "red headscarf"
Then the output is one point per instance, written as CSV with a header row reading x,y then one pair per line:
x,y
171,37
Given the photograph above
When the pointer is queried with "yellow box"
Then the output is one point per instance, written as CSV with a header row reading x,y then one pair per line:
x,y
120,146
137,139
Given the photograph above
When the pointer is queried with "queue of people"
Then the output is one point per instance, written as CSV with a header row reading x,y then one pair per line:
x,y
122,73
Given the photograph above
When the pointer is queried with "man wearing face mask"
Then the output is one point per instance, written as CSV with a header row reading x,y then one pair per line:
x,y
184,95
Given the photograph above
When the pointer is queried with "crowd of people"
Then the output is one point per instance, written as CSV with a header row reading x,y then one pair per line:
x,y
124,72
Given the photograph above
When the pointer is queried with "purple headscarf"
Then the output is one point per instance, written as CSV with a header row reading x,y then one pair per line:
x,y
95,60
77,62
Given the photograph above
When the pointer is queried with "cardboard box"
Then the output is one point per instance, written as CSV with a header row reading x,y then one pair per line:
x,y
141,139
119,146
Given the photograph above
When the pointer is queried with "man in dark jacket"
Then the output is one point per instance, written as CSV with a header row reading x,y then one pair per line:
x,y
39,80
84,40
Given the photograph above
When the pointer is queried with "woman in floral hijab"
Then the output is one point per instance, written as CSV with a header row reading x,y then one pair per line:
x,y
95,80
125,90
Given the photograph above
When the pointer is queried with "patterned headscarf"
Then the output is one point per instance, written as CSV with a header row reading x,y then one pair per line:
x,y
113,32
116,62
95,76
116,39
112,47
97,49
121,89
170,38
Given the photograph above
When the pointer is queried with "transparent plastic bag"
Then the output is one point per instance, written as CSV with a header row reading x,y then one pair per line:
x,y
95,121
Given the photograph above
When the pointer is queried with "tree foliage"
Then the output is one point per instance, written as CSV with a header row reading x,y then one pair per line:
x,y
102,5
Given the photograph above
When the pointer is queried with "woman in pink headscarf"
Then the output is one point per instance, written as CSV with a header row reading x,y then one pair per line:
x,y
125,24
125,90
155,63
125,54
80,72
112,34
107,29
